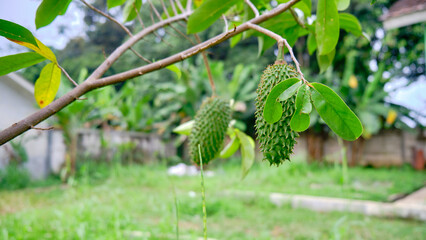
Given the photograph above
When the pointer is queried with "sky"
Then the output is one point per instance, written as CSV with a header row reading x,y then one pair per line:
x,y
23,12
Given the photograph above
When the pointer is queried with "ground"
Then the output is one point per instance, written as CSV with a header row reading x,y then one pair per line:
x,y
138,202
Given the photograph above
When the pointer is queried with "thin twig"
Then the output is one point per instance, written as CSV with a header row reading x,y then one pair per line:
x,y
153,22
155,10
188,5
67,75
290,50
296,18
140,56
173,7
206,63
164,8
265,31
280,40
139,18
42,129
180,6
182,34
119,24
253,8
107,16
226,22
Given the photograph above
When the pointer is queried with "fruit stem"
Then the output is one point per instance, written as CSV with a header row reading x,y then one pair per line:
x,y
280,55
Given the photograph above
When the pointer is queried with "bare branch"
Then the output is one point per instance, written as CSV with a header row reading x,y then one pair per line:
x,y
164,8
94,80
253,8
226,22
182,34
155,10
139,17
107,16
140,56
209,71
265,31
153,22
290,50
188,5
42,129
280,40
173,7
119,24
67,75
180,6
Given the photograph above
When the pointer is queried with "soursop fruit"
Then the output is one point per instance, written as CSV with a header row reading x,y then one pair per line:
x,y
276,140
211,123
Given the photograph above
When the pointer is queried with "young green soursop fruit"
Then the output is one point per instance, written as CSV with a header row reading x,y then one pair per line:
x,y
276,140
211,123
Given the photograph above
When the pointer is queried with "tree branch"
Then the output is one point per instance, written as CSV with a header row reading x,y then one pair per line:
x,y
67,75
280,40
107,16
94,80
253,8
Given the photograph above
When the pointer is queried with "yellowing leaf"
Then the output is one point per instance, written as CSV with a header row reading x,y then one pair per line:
x,y
392,114
47,84
198,2
353,82
41,49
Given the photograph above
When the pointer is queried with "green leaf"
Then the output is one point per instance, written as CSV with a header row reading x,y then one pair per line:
x,y
114,3
342,5
231,147
299,121
312,43
65,9
48,10
207,14
175,69
333,110
303,99
130,9
350,23
235,39
289,92
247,152
273,109
325,61
327,26
16,32
47,84
185,128
373,2
18,61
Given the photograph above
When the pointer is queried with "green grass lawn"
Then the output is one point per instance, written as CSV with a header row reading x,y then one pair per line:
x,y
138,202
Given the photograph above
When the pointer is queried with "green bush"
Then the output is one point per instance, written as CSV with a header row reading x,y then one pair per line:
x,y
13,177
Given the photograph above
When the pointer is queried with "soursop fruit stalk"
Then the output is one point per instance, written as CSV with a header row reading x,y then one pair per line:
x,y
211,123
276,140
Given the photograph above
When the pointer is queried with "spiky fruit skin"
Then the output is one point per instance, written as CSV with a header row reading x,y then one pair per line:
x,y
211,123
276,140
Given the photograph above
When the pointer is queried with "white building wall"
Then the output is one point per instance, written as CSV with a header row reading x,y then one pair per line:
x,y
16,103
